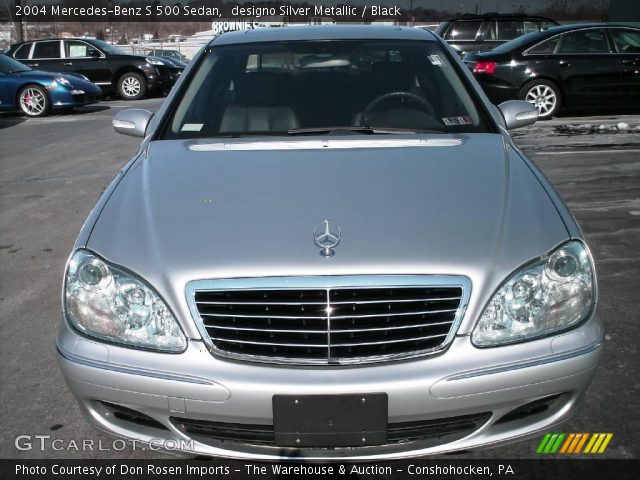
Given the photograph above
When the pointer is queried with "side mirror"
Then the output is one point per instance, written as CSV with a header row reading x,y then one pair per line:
x,y
518,113
95,53
132,122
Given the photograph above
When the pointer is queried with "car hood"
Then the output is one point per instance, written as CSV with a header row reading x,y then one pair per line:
x,y
440,204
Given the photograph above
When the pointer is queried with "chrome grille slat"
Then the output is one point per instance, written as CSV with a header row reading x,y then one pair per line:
x,y
337,317
328,320
345,302
249,342
413,339
400,327
264,329
333,330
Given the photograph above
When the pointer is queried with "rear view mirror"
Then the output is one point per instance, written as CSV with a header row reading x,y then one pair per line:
x,y
518,113
132,122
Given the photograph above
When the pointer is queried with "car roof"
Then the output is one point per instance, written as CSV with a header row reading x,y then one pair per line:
x,y
578,26
323,32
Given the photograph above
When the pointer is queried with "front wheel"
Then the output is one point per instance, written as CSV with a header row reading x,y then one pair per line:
x,y
132,86
34,101
544,95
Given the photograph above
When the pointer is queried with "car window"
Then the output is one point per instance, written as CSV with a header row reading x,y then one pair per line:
x,y
626,41
545,48
584,41
22,53
503,30
78,49
463,30
107,47
273,88
48,49
537,25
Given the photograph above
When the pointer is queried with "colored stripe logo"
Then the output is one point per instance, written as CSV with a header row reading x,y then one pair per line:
x,y
574,443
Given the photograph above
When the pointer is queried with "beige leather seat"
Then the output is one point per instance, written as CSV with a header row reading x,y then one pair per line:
x,y
238,118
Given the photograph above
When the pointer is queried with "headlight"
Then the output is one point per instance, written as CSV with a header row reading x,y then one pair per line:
x,y
63,81
153,61
108,303
551,294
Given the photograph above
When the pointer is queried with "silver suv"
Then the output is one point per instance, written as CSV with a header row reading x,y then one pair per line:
x,y
328,246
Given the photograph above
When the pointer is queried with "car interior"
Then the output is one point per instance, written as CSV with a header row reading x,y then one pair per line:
x,y
283,90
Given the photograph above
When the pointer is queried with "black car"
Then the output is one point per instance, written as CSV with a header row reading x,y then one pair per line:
x,y
588,65
114,70
474,33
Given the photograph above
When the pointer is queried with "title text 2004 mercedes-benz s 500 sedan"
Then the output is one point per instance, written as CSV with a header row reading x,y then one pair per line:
x,y
329,247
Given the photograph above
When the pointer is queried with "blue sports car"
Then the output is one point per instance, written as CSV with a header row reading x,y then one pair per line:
x,y
36,93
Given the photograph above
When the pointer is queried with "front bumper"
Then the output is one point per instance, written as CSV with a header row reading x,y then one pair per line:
x,y
463,381
162,78
75,97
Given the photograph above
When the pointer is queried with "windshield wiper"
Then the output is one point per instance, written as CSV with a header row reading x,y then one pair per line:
x,y
321,130
367,130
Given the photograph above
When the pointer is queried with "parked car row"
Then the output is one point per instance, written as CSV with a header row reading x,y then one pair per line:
x,y
106,65
512,56
39,76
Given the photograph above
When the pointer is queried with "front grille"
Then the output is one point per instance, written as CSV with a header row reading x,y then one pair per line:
x,y
329,325
445,429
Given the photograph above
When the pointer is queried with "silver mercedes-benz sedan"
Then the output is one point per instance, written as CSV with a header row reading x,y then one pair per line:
x,y
328,246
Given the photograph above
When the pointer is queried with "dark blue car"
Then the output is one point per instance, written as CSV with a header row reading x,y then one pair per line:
x,y
37,93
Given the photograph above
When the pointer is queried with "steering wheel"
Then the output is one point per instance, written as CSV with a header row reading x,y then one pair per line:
x,y
412,97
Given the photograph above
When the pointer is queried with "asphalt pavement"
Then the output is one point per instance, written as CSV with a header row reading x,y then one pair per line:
x,y
52,170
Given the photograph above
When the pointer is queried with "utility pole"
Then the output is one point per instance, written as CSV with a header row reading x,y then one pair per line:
x,y
18,21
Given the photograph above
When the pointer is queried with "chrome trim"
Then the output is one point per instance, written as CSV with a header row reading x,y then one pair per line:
x,y
369,315
329,283
343,302
128,370
529,363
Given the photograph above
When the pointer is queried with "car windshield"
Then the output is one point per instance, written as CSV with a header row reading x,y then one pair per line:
x,y
107,47
9,65
315,87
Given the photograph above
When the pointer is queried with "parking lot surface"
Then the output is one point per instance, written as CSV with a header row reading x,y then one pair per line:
x,y
53,169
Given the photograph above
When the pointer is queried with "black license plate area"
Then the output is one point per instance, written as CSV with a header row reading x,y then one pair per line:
x,y
347,420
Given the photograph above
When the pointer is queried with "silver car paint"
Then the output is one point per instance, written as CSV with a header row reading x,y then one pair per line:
x,y
173,215
180,215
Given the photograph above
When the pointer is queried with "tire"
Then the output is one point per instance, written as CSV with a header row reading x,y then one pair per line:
x,y
545,95
33,101
132,86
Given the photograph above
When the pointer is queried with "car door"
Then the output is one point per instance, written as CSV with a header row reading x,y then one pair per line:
x,y
82,57
626,42
588,71
46,55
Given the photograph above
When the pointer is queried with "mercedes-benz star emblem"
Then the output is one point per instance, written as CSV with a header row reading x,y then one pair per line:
x,y
326,236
